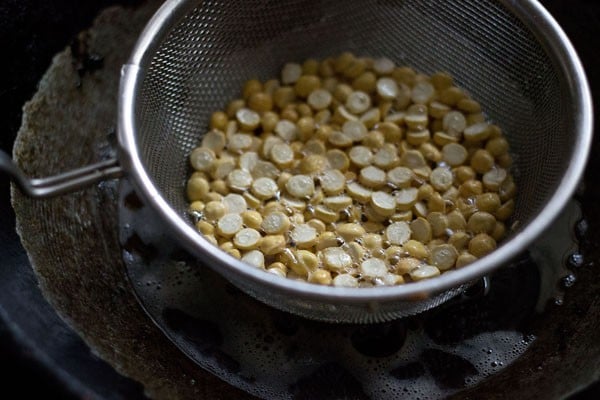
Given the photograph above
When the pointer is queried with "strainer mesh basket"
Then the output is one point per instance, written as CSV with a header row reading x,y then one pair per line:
x,y
212,47
204,61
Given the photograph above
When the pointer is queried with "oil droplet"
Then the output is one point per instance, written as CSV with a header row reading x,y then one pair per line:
x,y
196,216
569,280
575,260
346,214
379,253
558,301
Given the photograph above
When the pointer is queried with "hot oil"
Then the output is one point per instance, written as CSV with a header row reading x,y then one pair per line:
x,y
273,354
557,243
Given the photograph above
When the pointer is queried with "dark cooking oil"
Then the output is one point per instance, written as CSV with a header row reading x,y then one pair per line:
x,y
273,354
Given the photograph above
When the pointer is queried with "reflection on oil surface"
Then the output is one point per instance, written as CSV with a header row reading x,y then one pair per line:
x,y
273,354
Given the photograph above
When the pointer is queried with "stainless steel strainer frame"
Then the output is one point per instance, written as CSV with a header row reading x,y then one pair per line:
x,y
343,304
310,300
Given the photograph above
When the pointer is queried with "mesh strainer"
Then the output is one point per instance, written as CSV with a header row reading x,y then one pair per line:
x,y
194,56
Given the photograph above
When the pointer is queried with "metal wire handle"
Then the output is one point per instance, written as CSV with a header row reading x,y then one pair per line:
x,y
68,182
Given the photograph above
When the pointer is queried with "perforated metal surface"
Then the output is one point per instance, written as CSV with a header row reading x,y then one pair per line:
x,y
199,61
205,60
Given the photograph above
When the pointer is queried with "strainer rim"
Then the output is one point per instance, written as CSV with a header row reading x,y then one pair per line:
x,y
531,12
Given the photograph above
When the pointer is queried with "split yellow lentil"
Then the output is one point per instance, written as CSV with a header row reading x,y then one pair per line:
x,y
352,172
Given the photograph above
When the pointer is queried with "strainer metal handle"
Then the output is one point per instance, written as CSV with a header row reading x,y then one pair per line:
x,y
66,182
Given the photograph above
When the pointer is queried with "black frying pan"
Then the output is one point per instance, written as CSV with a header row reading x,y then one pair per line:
x,y
36,344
